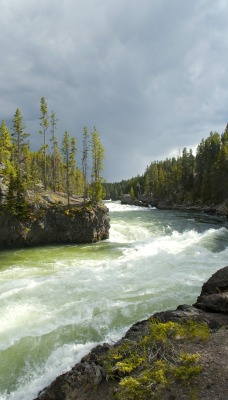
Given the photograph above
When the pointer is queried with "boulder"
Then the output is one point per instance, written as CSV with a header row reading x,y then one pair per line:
x,y
142,200
222,209
214,294
127,199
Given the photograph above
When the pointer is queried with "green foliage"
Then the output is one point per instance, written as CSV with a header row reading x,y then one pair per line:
x,y
96,189
5,150
55,157
44,123
190,329
129,364
98,156
132,193
48,168
186,178
188,367
148,385
85,162
69,150
146,367
18,137
16,203
96,192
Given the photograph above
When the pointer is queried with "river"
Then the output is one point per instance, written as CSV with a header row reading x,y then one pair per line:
x,y
58,302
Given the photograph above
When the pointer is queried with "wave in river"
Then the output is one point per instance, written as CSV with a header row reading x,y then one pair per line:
x,y
57,302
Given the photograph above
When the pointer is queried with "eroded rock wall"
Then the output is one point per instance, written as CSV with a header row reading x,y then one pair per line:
x,y
55,225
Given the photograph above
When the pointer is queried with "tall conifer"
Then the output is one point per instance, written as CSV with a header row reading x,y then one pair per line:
x,y
44,123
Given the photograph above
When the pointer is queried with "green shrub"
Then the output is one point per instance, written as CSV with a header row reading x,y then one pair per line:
x,y
145,368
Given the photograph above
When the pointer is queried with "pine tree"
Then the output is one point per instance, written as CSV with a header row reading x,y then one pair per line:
x,y
55,151
85,163
69,150
11,202
79,183
132,193
16,203
5,149
98,156
97,151
44,123
72,164
35,174
66,152
18,137
22,205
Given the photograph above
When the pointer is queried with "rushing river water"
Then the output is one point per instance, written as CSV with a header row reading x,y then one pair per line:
x,y
58,302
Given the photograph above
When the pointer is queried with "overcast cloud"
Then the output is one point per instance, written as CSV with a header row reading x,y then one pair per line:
x,y
151,75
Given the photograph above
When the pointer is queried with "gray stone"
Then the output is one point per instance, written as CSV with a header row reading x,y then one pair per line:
x,y
214,294
57,225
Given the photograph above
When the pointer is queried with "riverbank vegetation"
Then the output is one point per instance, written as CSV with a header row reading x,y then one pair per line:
x,y
146,368
56,167
187,178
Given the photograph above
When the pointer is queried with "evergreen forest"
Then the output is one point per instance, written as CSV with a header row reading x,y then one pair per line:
x,y
55,166
188,178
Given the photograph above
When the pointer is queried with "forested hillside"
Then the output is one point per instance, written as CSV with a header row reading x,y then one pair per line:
x,y
186,179
55,166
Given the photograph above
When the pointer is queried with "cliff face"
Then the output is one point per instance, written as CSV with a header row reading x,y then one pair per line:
x,y
55,225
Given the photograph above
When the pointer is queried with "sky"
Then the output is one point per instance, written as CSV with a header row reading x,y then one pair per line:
x,y
150,75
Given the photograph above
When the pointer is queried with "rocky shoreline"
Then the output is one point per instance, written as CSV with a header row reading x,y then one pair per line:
x,y
150,201
88,379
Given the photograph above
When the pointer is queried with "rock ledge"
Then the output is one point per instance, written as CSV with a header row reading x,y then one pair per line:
x,y
55,225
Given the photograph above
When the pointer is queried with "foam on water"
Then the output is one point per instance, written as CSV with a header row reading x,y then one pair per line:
x,y
58,302
117,207
175,243
39,376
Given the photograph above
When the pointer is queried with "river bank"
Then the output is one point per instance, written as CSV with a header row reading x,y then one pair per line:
x,y
149,201
90,379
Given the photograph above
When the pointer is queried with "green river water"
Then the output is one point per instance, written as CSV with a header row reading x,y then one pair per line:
x,y
58,302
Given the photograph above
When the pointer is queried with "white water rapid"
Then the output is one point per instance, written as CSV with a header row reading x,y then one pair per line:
x,y
58,302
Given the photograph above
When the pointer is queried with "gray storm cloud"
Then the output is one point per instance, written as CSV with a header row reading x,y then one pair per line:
x,y
150,75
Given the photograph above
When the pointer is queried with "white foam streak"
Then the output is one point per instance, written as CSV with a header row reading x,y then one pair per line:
x,y
74,297
60,361
118,207
173,244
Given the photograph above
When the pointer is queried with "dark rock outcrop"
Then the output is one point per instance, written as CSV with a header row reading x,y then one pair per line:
x,y
87,380
85,374
55,225
127,199
214,294
142,200
222,209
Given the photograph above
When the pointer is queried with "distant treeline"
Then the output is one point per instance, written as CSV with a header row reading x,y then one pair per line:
x,y
187,178
54,166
